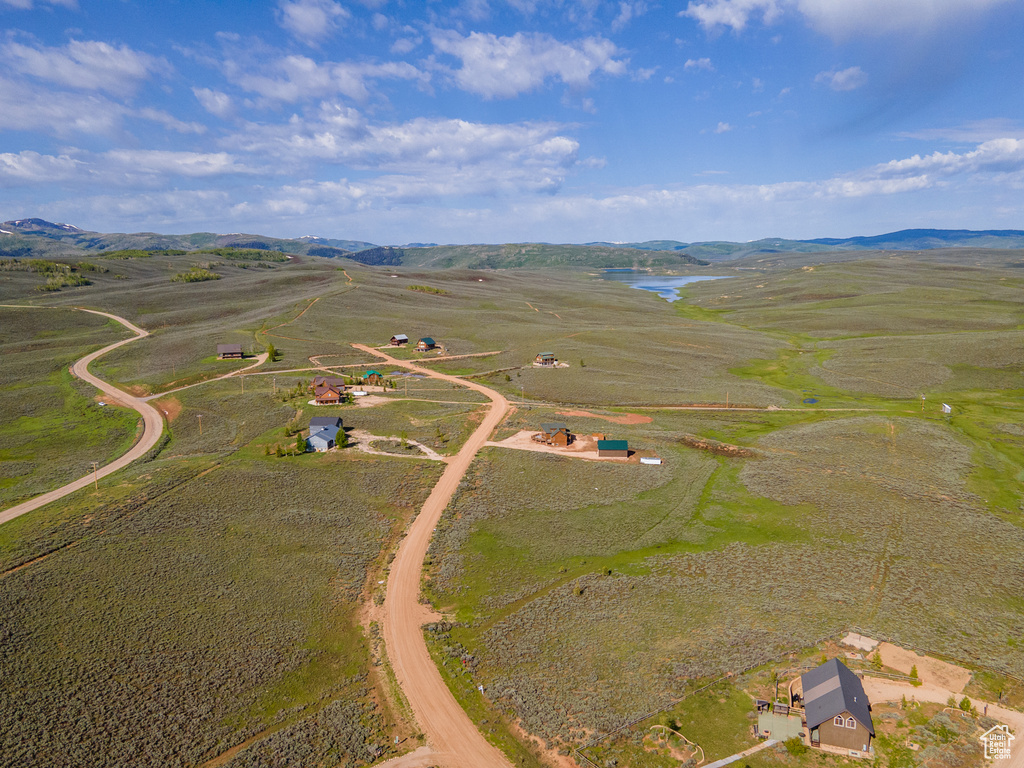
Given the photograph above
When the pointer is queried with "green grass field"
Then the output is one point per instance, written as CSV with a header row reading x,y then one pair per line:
x,y
216,586
53,427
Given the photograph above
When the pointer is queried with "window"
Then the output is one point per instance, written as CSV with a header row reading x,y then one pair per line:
x,y
838,721
851,723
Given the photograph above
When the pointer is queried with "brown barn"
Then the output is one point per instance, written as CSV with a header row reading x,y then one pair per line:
x,y
229,351
836,710
618,449
399,340
554,433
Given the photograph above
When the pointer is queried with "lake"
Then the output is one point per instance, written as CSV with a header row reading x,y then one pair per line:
x,y
666,286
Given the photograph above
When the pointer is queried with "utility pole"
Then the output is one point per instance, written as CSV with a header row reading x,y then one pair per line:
x,y
726,399
95,475
242,377
200,417
275,385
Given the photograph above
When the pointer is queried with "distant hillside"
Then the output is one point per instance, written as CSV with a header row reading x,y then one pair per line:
x,y
904,240
38,238
540,255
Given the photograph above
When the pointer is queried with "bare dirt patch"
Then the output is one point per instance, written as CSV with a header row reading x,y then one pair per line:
x,y
930,671
583,447
170,407
626,418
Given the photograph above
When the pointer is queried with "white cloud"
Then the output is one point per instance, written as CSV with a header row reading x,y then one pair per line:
x,y
216,103
167,163
840,18
87,65
723,128
31,167
848,79
701,64
297,78
628,12
310,20
425,153
503,67
975,131
57,113
170,121
27,5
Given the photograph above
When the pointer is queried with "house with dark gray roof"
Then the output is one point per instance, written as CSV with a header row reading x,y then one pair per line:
x,y
323,433
229,351
837,712
399,340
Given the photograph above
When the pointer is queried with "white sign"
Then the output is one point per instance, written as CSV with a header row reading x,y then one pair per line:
x,y
997,742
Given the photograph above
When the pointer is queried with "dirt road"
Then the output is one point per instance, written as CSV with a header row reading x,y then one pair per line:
x,y
878,689
153,423
455,740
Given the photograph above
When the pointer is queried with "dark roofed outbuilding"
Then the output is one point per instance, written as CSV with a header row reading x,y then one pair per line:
x,y
613,449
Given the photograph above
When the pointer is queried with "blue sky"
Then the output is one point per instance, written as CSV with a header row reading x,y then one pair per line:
x,y
514,120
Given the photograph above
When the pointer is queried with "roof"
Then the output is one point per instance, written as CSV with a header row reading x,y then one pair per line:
x,y
613,445
546,354
372,372
831,689
553,426
324,392
428,340
228,348
325,434
400,337
317,422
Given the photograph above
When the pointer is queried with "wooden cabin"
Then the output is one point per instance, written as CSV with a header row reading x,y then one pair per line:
x,y
615,449
229,351
374,377
399,340
335,382
326,396
546,359
837,712
426,343
554,433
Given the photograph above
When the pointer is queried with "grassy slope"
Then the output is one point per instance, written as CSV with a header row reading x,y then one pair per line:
x,y
52,429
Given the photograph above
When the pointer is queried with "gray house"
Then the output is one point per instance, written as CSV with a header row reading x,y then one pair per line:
x,y
323,433
836,710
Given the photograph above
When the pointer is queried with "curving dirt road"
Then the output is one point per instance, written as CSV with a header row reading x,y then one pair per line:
x,y
455,740
153,422
890,690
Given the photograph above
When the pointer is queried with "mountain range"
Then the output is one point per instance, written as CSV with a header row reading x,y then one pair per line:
x,y
34,237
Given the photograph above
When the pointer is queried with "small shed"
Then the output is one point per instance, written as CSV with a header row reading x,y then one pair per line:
x,y
426,343
554,433
616,449
546,360
229,351
399,340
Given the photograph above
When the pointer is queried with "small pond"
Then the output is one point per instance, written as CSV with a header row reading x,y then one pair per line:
x,y
666,286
